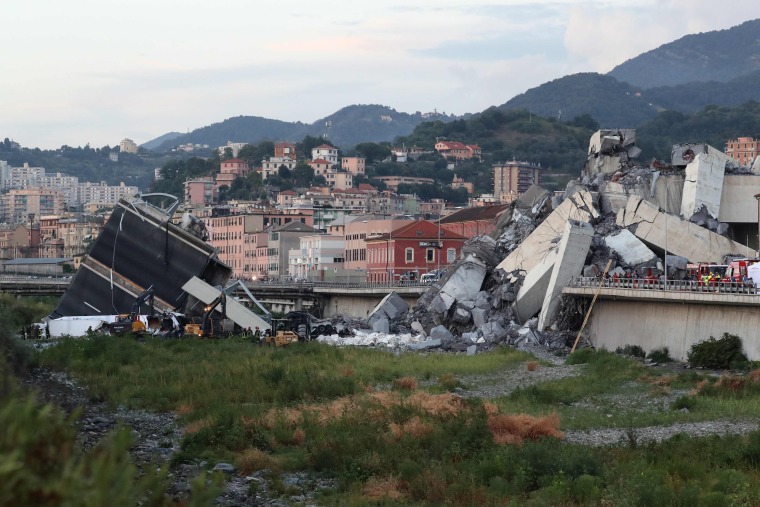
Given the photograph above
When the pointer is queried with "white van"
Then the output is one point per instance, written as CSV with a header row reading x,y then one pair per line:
x,y
428,278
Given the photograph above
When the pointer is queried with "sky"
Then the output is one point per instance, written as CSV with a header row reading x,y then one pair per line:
x,y
96,71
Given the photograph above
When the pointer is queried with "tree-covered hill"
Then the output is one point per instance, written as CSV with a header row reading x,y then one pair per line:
x,y
720,55
713,125
347,127
612,103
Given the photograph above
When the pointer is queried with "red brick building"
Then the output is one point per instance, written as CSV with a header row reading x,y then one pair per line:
x,y
412,250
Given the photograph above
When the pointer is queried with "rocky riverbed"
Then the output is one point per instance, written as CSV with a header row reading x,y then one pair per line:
x,y
156,437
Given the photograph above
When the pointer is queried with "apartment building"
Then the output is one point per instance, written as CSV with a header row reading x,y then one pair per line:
x,y
285,150
281,240
230,170
270,166
743,149
19,204
325,152
201,191
354,165
514,178
318,257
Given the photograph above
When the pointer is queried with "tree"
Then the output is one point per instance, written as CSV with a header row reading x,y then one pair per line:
x,y
303,174
283,172
373,151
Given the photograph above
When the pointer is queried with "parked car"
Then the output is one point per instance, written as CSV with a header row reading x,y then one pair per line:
x,y
429,278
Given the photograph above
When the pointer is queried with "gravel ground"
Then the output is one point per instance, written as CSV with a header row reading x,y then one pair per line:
x,y
616,436
155,439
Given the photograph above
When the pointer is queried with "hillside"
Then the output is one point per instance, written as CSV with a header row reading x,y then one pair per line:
x,y
347,127
507,135
155,143
713,125
607,100
713,56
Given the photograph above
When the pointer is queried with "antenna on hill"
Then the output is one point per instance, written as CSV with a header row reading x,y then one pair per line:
x,y
559,115
328,124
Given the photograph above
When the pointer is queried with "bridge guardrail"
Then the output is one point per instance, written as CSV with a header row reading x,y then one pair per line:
x,y
337,285
670,285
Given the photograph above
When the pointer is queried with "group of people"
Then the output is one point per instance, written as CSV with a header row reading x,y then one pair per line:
x,y
34,332
256,336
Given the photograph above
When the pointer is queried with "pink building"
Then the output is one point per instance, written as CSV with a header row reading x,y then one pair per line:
x,y
285,198
354,165
230,170
320,166
201,191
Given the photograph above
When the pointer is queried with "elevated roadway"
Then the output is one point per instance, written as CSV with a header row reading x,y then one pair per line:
x,y
323,298
675,315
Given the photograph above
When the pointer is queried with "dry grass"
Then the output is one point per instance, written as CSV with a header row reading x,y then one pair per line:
x,y
383,487
299,437
196,426
531,365
405,384
185,409
514,429
414,427
663,380
730,383
373,405
698,387
253,460
754,376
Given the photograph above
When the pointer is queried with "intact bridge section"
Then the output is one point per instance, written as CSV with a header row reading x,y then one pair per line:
x,y
676,315
322,299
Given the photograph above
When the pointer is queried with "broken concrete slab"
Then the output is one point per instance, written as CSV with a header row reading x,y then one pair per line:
x,y
658,229
381,325
427,344
703,183
418,328
609,150
493,332
461,316
479,317
530,297
531,201
463,284
571,254
579,207
632,250
441,333
139,247
391,307
472,350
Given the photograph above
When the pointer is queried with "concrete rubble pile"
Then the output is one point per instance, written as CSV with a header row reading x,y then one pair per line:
x,y
507,287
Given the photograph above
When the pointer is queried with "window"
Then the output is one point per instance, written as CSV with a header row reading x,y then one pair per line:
x,y
451,255
430,255
409,254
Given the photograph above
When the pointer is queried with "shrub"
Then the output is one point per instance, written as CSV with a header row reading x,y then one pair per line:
x,y
40,464
531,365
405,384
660,355
724,353
580,356
687,402
631,350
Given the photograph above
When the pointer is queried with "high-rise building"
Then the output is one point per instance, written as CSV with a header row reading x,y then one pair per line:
x,y
511,179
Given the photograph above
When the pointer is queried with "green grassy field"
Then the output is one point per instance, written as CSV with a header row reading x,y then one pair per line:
x,y
387,427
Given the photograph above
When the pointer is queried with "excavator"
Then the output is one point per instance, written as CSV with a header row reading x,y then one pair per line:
x,y
130,322
208,327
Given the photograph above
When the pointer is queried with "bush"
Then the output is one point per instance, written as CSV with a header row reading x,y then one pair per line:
x,y
687,402
580,356
631,350
660,355
723,354
40,464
